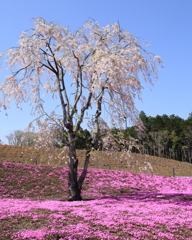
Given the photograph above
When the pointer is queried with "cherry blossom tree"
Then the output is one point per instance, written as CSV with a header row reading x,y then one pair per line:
x,y
105,66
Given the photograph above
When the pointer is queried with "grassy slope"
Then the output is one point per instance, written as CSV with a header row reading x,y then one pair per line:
x,y
117,205
101,160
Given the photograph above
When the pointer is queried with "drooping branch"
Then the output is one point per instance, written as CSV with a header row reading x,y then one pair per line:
x,y
97,115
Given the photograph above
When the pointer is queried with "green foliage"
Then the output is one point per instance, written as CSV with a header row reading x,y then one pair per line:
x,y
165,136
145,120
82,141
174,139
130,131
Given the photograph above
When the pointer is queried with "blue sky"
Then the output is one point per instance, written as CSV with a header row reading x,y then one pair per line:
x,y
165,24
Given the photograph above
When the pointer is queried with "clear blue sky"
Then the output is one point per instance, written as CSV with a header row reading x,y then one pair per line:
x,y
165,24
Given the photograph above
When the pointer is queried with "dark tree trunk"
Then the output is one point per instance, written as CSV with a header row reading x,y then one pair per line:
x,y
75,184
74,191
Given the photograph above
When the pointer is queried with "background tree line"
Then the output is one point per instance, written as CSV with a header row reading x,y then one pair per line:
x,y
163,136
166,136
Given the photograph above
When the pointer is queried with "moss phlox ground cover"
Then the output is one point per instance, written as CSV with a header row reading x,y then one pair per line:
x,y
116,205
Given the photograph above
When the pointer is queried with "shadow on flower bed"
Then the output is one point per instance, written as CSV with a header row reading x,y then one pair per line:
x,y
180,199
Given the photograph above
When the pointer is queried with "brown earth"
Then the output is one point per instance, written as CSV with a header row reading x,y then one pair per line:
x,y
137,163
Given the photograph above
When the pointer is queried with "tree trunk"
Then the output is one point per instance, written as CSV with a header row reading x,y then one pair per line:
x,y
75,185
74,191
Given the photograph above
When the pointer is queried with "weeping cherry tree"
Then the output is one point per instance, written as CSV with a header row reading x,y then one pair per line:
x,y
88,70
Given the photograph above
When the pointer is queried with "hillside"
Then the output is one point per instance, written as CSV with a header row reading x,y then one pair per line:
x,y
99,160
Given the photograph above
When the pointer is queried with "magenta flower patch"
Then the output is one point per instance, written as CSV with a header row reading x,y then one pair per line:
x,y
117,205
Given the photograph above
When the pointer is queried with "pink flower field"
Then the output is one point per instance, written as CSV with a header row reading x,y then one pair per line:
x,y
116,205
